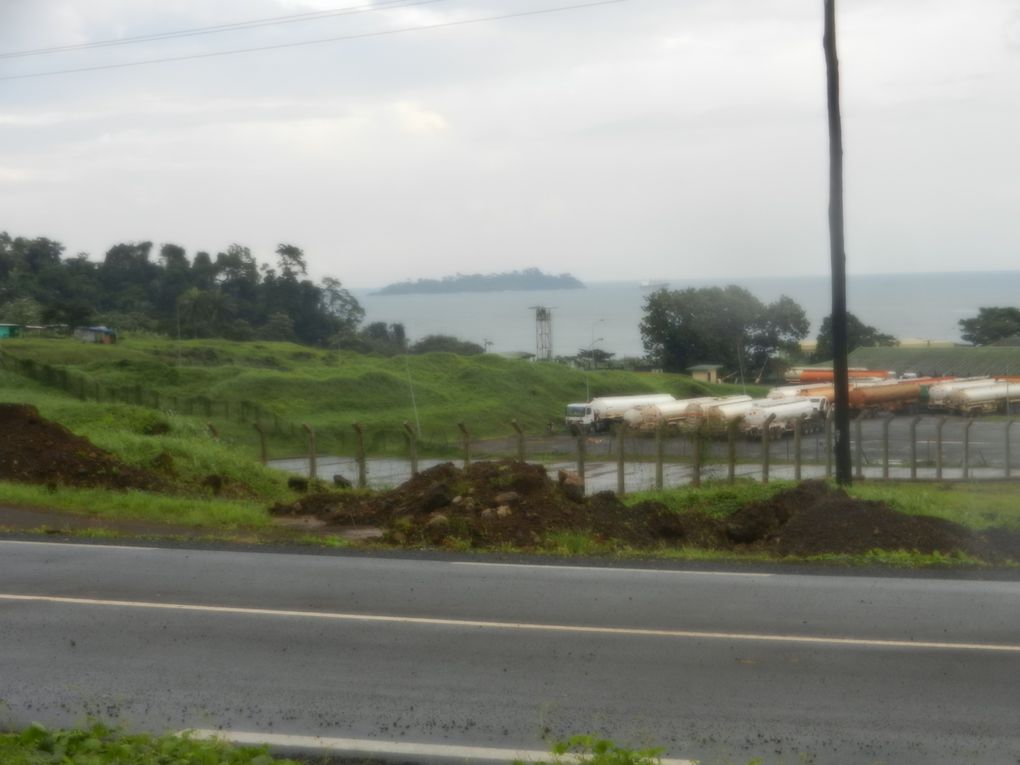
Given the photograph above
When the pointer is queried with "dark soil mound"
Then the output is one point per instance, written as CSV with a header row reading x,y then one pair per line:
x,y
504,503
510,503
35,450
816,519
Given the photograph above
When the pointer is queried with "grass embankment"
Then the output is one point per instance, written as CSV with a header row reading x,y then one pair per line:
x,y
329,390
146,438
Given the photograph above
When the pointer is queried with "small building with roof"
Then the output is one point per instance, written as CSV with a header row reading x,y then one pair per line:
x,y
8,331
705,372
100,335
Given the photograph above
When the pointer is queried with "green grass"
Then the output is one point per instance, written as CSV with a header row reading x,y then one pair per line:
x,y
976,505
140,505
329,390
99,745
715,499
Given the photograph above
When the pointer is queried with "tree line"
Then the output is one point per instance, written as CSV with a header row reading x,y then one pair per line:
x,y
136,287
731,327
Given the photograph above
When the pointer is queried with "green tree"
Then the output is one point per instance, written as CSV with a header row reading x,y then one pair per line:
x,y
279,327
21,311
723,325
859,335
991,324
446,344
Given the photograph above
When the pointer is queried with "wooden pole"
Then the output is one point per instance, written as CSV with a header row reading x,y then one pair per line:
x,y
312,466
520,440
731,452
466,441
913,447
359,454
938,447
837,251
659,455
412,446
581,444
262,443
621,487
766,447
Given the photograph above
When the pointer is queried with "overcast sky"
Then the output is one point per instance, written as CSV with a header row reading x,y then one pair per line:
x,y
626,141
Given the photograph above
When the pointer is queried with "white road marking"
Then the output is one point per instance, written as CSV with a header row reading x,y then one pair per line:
x,y
367,746
604,569
525,626
97,546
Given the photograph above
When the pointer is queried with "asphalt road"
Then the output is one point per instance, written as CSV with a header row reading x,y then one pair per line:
x,y
719,666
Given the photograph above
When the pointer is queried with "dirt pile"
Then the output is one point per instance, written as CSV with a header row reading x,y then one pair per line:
x,y
488,504
508,503
35,450
814,518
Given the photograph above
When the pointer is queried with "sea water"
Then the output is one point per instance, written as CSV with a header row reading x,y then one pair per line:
x,y
925,306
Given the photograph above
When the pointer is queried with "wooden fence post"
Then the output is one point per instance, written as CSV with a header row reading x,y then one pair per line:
x,y
858,422
520,440
359,454
312,465
913,447
659,455
262,443
966,447
938,447
466,440
620,477
1009,425
581,444
731,451
696,453
766,447
886,422
828,444
797,427
412,446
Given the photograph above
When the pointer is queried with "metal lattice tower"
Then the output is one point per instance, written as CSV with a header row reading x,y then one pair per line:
x,y
543,333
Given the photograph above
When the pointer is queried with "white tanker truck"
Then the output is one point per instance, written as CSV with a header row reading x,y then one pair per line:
x,y
601,413
939,393
809,410
723,412
989,398
672,413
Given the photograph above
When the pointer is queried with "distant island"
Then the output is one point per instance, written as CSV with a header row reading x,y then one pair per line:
x,y
528,279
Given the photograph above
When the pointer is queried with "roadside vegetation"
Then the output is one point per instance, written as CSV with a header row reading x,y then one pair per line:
x,y
286,385
209,483
99,745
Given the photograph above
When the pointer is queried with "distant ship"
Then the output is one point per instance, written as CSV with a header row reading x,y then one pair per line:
x,y
652,285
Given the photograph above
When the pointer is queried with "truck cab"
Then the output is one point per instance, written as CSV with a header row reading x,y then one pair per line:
x,y
580,418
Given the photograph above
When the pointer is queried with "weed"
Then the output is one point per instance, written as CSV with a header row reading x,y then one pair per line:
x,y
590,750
99,745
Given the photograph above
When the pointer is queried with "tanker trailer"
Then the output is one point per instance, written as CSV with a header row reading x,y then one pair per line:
x,y
810,412
890,396
602,412
814,375
938,393
719,414
670,413
987,399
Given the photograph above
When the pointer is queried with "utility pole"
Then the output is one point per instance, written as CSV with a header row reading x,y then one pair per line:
x,y
840,366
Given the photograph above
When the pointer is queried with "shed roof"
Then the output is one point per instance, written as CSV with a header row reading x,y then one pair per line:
x,y
704,367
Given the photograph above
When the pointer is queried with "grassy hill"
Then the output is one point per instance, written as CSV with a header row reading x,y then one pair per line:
x,y
285,385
